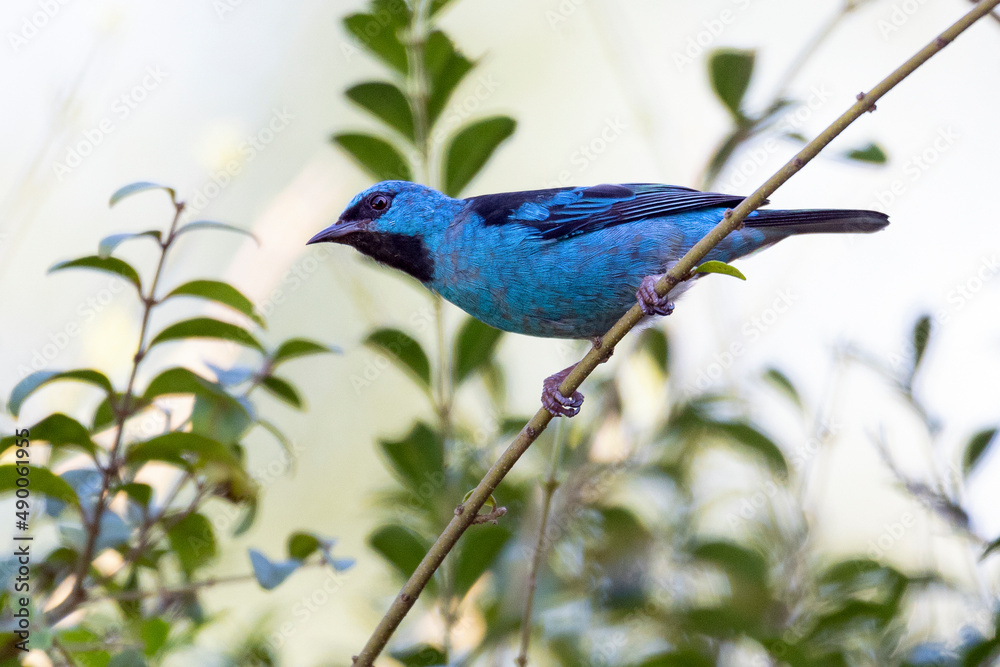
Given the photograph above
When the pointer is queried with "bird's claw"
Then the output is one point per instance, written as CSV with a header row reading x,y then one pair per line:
x,y
650,302
554,401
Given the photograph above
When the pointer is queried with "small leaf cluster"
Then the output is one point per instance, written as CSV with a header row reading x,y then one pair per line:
x,y
98,492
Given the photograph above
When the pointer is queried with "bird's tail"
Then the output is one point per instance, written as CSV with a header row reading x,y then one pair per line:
x,y
819,221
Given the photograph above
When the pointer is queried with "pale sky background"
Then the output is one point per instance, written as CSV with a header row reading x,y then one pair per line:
x,y
568,71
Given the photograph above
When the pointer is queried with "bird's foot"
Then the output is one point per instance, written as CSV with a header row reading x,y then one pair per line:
x,y
650,302
553,401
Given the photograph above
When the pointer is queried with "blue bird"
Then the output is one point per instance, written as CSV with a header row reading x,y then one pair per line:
x,y
563,262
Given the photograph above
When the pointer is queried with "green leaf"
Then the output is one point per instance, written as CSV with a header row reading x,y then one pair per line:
x,y
300,347
111,265
754,440
219,292
209,224
471,148
386,102
654,341
41,480
220,418
920,337
193,542
128,657
140,493
420,655
376,156
735,559
154,635
247,518
990,548
730,71
402,547
179,380
283,390
404,352
780,381
180,448
206,327
39,379
135,188
270,574
58,430
380,38
474,346
872,153
418,459
446,68
109,243
104,414
720,267
479,550
302,545
976,449
438,5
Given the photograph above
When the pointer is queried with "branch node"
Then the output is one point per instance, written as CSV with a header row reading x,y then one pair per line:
x,y
405,598
798,163
530,432
942,41
860,97
459,510
490,517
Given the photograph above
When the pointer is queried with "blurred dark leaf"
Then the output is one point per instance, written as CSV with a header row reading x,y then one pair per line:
x,y
104,415
247,517
974,451
750,437
386,102
420,655
474,346
39,379
401,547
129,657
720,267
654,341
677,659
58,430
736,560
730,71
282,389
300,347
380,38
112,265
418,459
140,493
135,188
921,336
376,156
438,5
181,448
722,154
219,292
109,243
220,418
781,382
990,548
211,224
446,68
270,574
302,545
404,352
193,542
479,550
42,481
206,327
872,154
471,148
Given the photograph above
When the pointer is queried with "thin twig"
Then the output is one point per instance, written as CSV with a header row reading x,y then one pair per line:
x,y
731,221
549,490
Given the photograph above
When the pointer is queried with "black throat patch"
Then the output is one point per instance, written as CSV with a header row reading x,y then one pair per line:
x,y
400,251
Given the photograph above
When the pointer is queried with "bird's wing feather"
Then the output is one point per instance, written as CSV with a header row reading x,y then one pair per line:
x,y
562,212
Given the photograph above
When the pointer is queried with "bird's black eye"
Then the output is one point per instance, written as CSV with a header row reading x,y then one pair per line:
x,y
378,202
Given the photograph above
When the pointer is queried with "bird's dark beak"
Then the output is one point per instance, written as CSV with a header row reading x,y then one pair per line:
x,y
338,230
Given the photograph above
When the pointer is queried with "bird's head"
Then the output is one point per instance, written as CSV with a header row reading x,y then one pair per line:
x,y
395,222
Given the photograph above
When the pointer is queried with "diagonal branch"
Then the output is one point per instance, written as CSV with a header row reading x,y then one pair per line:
x,y
733,220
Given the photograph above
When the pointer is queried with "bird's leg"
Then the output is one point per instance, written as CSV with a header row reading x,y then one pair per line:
x,y
553,400
650,302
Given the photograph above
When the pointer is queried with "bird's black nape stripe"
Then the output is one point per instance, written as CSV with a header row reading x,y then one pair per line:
x,y
496,209
399,251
